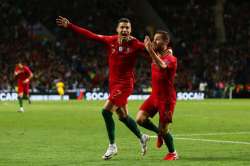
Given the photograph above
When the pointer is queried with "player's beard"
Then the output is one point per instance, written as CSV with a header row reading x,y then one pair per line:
x,y
158,49
155,47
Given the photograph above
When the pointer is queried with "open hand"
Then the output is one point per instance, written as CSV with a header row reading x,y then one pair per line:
x,y
148,43
62,22
26,81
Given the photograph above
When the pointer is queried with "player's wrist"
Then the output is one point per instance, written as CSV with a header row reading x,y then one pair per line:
x,y
69,25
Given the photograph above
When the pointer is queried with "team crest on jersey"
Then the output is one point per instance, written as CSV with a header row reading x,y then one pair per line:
x,y
120,48
123,49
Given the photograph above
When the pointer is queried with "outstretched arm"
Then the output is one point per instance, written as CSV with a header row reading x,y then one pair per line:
x,y
65,23
152,53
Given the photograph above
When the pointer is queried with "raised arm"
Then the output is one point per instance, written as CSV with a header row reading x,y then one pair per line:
x,y
159,62
65,23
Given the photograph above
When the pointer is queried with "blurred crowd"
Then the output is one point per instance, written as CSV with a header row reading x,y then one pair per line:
x,y
201,59
54,53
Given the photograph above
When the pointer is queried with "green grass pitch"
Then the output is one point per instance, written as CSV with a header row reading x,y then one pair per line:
x,y
209,132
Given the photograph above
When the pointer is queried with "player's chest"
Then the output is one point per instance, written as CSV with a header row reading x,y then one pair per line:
x,y
122,51
22,75
157,72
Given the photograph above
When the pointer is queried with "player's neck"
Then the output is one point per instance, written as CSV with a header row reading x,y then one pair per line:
x,y
122,40
163,52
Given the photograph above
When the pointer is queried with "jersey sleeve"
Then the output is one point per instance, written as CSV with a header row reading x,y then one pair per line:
x,y
88,34
27,70
16,69
141,46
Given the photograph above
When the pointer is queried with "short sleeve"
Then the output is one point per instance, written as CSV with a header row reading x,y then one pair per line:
x,y
27,70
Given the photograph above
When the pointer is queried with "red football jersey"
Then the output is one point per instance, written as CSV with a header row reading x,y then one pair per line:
x,y
163,79
24,74
121,57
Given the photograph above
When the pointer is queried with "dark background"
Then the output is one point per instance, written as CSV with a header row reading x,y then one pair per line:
x,y
209,38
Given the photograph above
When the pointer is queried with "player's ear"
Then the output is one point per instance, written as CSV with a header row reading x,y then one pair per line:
x,y
117,28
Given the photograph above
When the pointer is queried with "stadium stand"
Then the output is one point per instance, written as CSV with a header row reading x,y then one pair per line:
x,y
30,32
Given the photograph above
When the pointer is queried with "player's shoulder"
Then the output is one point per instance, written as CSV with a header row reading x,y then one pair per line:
x,y
173,58
170,57
136,42
113,37
26,67
134,39
107,38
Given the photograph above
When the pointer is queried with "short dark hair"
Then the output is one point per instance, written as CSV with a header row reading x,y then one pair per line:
x,y
126,20
165,35
19,60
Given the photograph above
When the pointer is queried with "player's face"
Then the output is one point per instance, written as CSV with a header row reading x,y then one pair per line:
x,y
158,43
20,65
124,29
